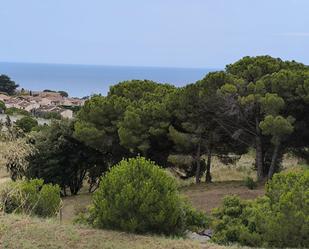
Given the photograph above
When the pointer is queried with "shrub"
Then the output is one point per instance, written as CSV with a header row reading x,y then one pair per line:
x,y
138,196
2,106
232,223
250,183
195,219
279,219
26,123
30,197
284,219
16,111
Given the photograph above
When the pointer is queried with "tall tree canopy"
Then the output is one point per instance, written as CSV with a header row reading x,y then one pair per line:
x,y
194,126
260,103
7,85
131,120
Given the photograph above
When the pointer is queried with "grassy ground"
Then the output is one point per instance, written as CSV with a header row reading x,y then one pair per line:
x,y
17,232
4,176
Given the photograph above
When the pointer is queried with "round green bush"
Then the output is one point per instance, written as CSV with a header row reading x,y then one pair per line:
x,y
138,196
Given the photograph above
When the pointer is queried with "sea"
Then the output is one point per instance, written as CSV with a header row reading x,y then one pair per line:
x,y
86,80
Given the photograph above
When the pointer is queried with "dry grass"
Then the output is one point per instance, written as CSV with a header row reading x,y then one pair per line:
x,y
31,233
233,172
4,175
73,205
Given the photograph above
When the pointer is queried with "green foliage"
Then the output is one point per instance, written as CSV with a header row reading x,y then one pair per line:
x,y
250,183
7,85
286,223
97,123
234,222
61,159
267,107
26,123
133,119
138,196
280,219
49,115
63,93
272,104
2,106
31,197
277,127
16,111
252,69
195,219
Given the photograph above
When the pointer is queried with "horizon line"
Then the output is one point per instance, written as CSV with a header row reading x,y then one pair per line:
x,y
111,65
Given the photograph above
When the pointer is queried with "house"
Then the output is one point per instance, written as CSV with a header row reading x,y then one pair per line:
x,y
56,100
73,102
44,101
13,103
29,106
66,113
49,94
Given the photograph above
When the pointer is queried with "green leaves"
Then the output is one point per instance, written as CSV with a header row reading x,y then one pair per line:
x,y
138,196
280,219
228,89
277,126
7,85
272,104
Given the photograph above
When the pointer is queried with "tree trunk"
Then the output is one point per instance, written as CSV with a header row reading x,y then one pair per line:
x,y
198,164
259,151
273,161
208,165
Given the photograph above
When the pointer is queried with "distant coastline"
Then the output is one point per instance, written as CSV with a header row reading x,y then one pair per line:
x,y
85,80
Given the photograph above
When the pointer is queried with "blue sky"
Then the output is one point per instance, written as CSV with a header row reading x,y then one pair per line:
x,y
175,33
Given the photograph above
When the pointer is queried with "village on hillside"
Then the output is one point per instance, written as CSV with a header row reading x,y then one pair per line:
x,y
42,102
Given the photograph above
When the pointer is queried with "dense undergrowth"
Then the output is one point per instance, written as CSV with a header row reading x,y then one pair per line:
x,y
279,219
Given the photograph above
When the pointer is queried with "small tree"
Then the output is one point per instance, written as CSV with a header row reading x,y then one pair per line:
x,y
61,159
138,196
15,149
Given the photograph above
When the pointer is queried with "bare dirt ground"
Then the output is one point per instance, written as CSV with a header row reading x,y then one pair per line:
x,y
208,196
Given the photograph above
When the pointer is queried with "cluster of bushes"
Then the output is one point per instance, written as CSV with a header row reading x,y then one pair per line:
x,y
138,196
16,111
31,197
27,123
279,219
